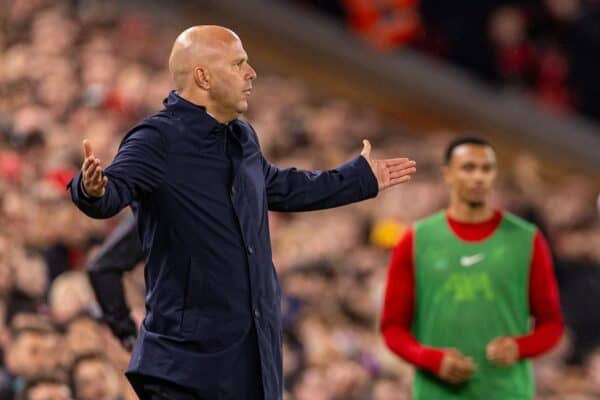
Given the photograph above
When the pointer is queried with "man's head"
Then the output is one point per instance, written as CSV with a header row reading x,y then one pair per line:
x,y
210,67
470,170
46,387
33,350
83,335
93,377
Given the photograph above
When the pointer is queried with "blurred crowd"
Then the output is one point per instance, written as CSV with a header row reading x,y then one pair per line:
x,y
88,69
545,49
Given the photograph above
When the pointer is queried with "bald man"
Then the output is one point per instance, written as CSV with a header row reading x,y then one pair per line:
x,y
201,189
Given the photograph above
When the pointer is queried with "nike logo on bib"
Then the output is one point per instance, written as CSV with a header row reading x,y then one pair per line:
x,y
467,261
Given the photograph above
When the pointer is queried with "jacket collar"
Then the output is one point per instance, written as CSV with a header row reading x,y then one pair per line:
x,y
192,113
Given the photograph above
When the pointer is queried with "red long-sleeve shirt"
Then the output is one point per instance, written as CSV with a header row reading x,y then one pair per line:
x,y
398,308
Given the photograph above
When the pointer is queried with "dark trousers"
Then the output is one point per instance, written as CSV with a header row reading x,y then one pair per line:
x,y
244,381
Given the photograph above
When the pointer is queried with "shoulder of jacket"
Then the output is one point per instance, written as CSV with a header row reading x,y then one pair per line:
x,y
248,127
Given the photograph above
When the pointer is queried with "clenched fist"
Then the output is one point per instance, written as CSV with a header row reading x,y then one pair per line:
x,y
503,351
94,181
456,367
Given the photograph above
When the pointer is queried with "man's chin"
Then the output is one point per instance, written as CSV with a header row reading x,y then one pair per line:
x,y
474,204
242,107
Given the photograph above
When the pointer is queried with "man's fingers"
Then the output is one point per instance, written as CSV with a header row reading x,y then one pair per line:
x,y
89,173
395,161
86,164
400,179
457,376
87,148
97,177
400,167
402,172
366,151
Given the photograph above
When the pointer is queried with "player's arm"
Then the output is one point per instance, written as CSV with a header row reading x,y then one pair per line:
x,y
397,318
545,308
138,168
120,252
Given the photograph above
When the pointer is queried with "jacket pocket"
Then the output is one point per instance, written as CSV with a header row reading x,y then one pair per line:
x,y
193,296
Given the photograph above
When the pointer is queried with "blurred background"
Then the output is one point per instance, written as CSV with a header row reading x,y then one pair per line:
x,y
407,74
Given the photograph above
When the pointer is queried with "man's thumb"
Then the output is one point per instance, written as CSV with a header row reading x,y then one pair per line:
x,y
87,148
366,151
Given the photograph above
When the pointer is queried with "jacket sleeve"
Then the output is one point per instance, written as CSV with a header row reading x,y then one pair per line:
x,y
120,252
138,168
295,190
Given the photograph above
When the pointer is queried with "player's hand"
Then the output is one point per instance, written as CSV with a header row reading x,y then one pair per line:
x,y
503,351
456,367
94,181
389,172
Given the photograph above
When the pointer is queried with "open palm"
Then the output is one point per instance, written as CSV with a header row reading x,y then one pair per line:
x,y
391,171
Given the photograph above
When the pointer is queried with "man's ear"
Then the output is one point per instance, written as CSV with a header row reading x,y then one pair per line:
x,y
202,77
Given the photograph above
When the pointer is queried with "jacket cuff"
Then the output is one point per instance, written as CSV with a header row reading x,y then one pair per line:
x,y
78,194
368,182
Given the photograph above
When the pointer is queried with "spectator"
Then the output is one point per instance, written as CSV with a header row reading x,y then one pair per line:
x,y
96,69
93,377
46,387
32,350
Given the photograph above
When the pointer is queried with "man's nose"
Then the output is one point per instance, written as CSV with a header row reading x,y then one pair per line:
x,y
251,73
479,176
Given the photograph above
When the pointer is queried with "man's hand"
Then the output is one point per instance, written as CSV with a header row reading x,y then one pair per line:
x,y
456,367
503,351
389,172
94,182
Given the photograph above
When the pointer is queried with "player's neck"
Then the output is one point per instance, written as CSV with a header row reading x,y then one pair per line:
x,y
464,212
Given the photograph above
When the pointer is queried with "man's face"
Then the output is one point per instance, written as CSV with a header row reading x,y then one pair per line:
x,y
95,380
83,336
471,173
33,353
50,391
231,78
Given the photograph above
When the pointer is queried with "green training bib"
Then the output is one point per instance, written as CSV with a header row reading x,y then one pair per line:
x,y
468,293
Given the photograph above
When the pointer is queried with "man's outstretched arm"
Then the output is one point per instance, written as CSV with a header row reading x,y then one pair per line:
x,y
138,167
359,179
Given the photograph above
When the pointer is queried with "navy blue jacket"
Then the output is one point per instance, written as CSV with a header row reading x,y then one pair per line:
x,y
201,191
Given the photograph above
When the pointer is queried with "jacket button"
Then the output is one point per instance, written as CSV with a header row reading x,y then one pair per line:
x,y
250,250
256,313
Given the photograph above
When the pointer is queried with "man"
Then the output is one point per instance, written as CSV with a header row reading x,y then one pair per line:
x,y
32,350
462,287
200,189
93,377
46,387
